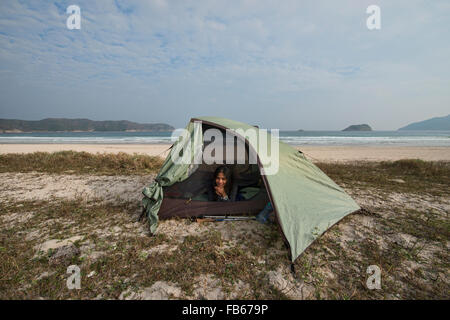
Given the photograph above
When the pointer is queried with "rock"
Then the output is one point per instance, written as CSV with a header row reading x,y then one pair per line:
x,y
63,254
55,243
358,127
44,275
397,180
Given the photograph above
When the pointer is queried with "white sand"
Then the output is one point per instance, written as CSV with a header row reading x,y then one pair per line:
x,y
375,153
148,149
315,153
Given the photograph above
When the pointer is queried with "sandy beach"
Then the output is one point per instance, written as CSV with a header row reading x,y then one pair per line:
x,y
315,153
60,210
51,220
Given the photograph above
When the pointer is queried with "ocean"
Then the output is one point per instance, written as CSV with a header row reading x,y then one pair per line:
x,y
296,138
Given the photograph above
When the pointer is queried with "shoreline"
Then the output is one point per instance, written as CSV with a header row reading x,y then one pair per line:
x,y
315,153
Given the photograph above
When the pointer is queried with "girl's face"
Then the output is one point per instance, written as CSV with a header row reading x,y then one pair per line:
x,y
221,180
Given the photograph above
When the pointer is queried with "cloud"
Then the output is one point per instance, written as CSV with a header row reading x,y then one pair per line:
x,y
159,57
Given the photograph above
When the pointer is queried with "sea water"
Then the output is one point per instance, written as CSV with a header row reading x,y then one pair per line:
x,y
296,138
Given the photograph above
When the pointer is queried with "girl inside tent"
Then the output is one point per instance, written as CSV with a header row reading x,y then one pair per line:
x,y
221,186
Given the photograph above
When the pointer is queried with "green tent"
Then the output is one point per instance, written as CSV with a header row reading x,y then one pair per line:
x,y
306,201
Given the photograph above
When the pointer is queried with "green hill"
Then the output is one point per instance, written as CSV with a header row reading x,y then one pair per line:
x,y
62,124
438,123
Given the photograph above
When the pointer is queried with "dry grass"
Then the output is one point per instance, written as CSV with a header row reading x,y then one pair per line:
x,y
71,162
417,175
406,233
126,262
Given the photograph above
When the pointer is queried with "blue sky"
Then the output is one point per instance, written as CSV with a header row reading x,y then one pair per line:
x,y
282,64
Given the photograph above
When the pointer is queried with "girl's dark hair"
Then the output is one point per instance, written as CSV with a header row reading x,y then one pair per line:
x,y
227,173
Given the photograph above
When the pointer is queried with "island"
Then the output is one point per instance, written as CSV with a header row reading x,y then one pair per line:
x,y
358,127
438,123
78,125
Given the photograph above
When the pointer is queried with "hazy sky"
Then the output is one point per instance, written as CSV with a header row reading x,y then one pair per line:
x,y
280,64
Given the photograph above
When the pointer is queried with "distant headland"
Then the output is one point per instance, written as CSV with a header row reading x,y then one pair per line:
x,y
438,123
358,127
78,125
